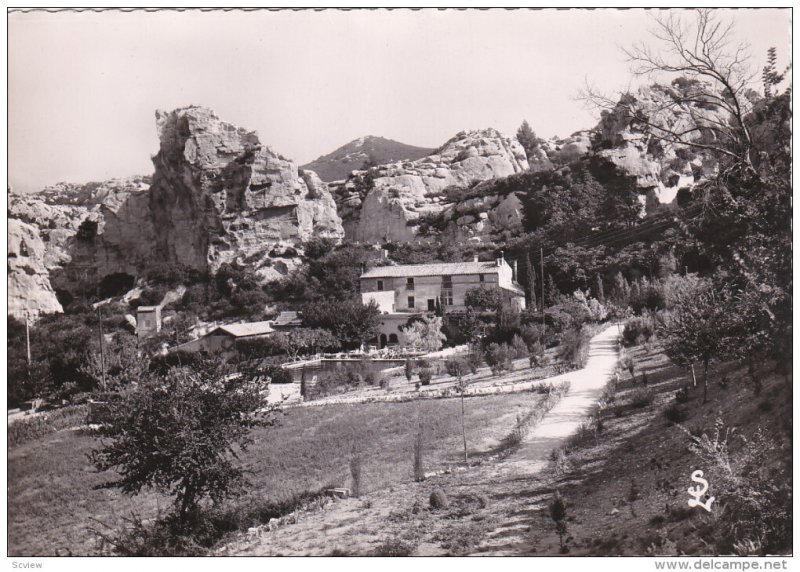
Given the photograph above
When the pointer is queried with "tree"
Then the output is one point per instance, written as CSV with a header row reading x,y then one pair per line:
x,y
458,368
530,273
298,340
694,329
527,138
484,299
177,433
713,86
351,322
558,512
425,334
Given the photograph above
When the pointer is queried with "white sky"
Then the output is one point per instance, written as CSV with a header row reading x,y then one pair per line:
x,y
83,87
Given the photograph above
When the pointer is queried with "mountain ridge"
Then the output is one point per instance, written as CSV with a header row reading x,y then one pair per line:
x,y
351,156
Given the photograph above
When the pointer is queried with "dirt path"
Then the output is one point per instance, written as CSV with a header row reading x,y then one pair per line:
x,y
565,418
515,494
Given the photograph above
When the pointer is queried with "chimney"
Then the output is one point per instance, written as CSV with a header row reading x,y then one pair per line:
x,y
514,271
384,254
475,258
501,259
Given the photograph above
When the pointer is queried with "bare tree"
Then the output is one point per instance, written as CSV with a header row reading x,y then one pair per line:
x,y
715,91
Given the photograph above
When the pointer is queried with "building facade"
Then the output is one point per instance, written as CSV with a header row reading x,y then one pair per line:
x,y
402,292
416,287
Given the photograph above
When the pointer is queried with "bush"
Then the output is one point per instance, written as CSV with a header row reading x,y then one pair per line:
x,y
519,347
676,413
682,395
395,547
574,347
438,499
498,357
43,424
425,375
638,330
641,397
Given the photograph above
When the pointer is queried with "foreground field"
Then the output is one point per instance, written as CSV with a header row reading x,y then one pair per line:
x,y
624,484
53,504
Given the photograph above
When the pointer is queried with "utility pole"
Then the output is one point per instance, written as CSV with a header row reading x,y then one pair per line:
x,y
102,348
28,340
541,256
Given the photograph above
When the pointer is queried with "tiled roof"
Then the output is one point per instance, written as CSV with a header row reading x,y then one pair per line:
x,y
245,329
436,269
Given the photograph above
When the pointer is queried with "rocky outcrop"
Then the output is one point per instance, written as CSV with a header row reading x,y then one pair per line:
x,y
219,195
29,289
118,225
391,202
661,167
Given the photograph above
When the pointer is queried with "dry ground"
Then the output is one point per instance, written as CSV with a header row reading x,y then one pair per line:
x,y
638,455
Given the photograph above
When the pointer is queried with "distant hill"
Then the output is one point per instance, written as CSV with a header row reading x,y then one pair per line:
x,y
337,165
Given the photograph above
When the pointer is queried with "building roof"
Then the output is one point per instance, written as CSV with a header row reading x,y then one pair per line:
x,y
435,269
148,308
288,319
244,330
515,288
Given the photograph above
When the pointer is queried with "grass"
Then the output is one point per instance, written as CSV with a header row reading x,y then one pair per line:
x,y
52,501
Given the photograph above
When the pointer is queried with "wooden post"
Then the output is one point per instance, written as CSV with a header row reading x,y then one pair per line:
x,y
28,340
541,255
102,349
694,377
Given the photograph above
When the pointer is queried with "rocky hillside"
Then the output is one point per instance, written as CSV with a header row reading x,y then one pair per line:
x,y
337,165
453,189
217,195
390,202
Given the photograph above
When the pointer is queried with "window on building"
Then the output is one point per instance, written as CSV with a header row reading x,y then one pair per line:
x,y
409,283
411,301
447,290
380,285
431,305
482,277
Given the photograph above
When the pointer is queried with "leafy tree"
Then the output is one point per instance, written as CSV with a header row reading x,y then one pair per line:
x,y
351,322
425,334
178,433
693,331
527,138
484,298
298,340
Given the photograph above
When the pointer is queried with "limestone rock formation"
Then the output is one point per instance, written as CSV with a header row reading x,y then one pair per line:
x,y
392,201
29,289
661,167
219,195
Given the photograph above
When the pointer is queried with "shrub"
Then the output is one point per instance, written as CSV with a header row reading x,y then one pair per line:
x,y
395,547
355,472
682,395
457,367
676,414
574,347
408,370
641,397
520,349
558,512
43,424
536,354
419,444
425,375
638,330
438,499
498,358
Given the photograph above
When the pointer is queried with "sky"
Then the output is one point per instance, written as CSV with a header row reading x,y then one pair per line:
x,y
83,87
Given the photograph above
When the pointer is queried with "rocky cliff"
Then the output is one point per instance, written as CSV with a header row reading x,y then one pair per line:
x,y
217,195
392,202
451,190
